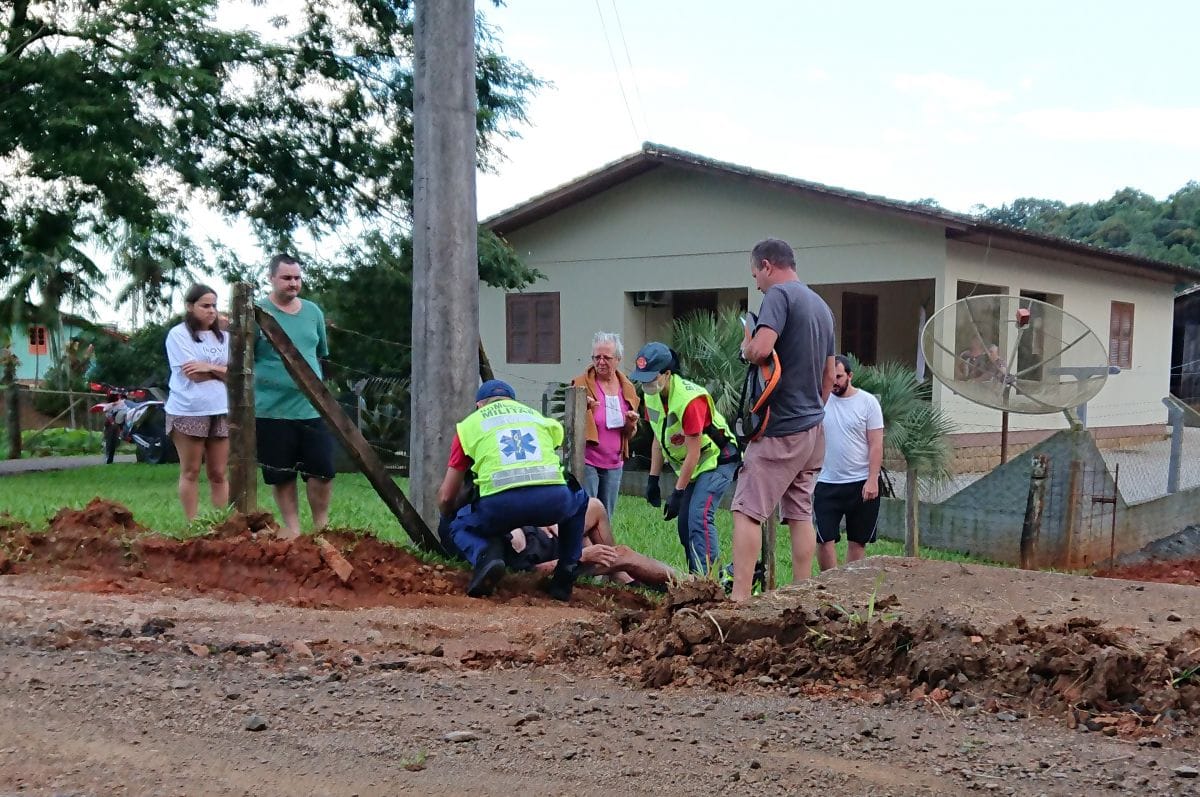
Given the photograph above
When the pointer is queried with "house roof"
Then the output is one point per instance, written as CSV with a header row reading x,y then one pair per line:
x,y
957,226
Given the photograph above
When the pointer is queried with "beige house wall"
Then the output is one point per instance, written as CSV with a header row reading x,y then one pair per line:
x,y
1131,398
676,229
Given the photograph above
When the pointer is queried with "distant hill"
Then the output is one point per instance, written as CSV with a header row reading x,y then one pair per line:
x,y
1131,222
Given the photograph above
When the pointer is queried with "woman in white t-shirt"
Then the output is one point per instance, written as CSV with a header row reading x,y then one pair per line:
x,y
197,407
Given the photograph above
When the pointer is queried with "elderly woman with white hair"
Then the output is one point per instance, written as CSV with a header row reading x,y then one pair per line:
x,y
612,419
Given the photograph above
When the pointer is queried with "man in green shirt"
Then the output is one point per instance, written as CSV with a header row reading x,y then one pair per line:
x,y
292,438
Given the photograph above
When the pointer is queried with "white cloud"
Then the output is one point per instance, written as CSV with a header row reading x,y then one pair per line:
x,y
1175,127
954,93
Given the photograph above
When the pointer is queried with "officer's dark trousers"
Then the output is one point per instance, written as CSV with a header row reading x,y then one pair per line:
x,y
492,516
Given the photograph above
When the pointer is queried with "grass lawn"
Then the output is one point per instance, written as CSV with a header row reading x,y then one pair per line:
x,y
149,492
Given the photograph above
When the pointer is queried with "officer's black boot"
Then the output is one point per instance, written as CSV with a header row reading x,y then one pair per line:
x,y
560,584
488,571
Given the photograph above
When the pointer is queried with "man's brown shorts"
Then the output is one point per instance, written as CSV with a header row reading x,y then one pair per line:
x,y
780,470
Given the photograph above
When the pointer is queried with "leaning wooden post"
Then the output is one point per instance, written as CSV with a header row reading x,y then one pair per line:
x,y
347,433
575,423
485,365
1034,507
243,443
769,527
13,402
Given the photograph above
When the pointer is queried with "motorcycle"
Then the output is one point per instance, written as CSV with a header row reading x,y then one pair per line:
x,y
131,416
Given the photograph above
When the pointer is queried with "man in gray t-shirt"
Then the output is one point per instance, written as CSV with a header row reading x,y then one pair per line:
x,y
782,466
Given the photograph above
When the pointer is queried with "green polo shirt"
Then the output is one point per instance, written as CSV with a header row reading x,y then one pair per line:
x,y
275,393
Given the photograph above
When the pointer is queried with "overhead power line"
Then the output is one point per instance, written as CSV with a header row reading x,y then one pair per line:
x,y
617,72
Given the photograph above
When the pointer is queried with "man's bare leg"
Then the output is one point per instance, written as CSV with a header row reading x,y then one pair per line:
x,y
288,501
827,556
641,567
319,492
747,543
804,544
855,552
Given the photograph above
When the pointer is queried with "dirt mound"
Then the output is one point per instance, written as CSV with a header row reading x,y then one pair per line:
x,y
98,516
1180,572
1079,669
103,541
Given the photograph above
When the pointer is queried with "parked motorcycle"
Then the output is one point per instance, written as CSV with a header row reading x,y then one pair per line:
x,y
130,415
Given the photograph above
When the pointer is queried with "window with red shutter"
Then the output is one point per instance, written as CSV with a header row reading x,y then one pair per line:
x,y
1120,335
532,328
38,342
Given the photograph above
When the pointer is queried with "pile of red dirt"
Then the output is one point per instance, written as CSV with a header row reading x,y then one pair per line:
x,y
1078,669
242,557
1185,571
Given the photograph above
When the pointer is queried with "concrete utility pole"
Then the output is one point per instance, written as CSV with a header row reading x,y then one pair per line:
x,y
445,331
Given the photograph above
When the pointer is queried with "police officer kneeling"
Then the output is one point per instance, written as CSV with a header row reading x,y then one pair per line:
x,y
510,450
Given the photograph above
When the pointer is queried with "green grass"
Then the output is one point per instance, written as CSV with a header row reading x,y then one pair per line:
x,y
149,492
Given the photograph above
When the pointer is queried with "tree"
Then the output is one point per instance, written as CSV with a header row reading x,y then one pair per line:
x,y
708,345
913,430
118,116
367,299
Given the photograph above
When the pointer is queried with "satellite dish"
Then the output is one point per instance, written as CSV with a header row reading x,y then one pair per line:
x,y
1015,354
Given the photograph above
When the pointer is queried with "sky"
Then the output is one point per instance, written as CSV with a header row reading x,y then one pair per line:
x,y
963,102
966,103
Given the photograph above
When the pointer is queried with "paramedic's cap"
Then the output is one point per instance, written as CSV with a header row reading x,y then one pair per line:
x,y
494,388
652,360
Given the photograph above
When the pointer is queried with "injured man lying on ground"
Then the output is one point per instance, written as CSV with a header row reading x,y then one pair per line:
x,y
536,548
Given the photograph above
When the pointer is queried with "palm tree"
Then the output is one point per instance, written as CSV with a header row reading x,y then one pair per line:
x,y
707,345
914,429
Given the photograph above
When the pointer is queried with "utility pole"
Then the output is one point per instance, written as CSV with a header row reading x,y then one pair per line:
x,y
445,331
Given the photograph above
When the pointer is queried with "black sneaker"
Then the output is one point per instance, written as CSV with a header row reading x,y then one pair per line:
x,y
560,584
487,574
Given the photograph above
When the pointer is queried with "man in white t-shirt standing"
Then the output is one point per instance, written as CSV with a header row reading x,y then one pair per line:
x,y
848,487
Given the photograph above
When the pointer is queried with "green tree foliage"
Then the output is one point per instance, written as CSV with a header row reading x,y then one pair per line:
x,y
1130,221
118,116
708,345
367,299
138,362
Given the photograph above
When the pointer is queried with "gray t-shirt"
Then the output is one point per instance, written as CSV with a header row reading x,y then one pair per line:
x,y
804,324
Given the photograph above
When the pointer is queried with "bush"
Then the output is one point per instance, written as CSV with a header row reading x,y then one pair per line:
x,y
61,442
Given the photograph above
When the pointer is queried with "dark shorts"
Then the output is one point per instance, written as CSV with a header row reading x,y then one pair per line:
x,y
539,547
833,502
287,447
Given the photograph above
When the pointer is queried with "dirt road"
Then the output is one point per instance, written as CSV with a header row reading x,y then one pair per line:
x,y
104,693
236,664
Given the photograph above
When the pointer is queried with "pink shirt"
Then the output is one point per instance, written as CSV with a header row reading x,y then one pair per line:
x,y
606,452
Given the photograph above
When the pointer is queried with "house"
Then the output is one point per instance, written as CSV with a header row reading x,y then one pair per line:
x,y
1185,348
38,346
648,238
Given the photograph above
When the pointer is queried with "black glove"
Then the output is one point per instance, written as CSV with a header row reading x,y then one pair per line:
x,y
674,503
653,493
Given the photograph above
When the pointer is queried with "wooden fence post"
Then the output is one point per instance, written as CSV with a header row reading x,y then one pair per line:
x,y
346,433
575,427
243,443
769,527
1034,507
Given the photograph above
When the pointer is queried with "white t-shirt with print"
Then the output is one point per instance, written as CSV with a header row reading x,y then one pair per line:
x,y
847,421
196,398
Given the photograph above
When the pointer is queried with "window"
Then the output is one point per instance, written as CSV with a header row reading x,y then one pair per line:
x,y
531,325
860,323
38,343
1120,335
